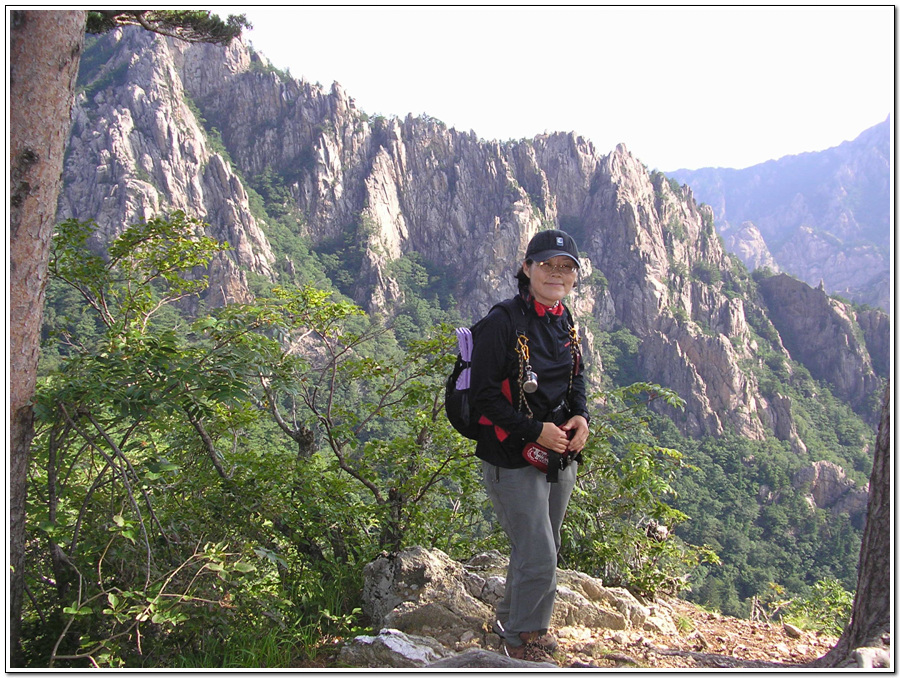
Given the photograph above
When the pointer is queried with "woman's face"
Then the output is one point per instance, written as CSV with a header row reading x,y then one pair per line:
x,y
551,280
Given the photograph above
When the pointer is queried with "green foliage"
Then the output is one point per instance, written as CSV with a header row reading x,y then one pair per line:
x,y
142,271
677,229
706,273
92,77
825,610
275,193
343,257
426,291
619,352
257,65
188,25
828,426
273,205
618,526
115,561
596,281
709,226
680,314
194,484
737,281
743,504
762,273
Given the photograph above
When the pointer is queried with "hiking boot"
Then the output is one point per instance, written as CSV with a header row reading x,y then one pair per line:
x,y
543,639
529,652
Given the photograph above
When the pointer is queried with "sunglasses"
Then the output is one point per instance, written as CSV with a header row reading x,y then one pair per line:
x,y
565,269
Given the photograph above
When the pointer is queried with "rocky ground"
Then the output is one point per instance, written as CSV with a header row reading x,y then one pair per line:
x,y
706,640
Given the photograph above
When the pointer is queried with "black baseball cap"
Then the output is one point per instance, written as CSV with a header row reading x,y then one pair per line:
x,y
553,243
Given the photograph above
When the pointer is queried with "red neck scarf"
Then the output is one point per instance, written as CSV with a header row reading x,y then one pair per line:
x,y
542,310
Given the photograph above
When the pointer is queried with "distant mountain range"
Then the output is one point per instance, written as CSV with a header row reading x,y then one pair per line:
x,y
822,217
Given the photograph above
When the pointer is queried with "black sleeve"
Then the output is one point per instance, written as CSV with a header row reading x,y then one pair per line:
x,y
493,342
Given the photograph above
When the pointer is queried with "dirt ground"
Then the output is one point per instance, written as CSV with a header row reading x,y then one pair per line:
x,y
706,640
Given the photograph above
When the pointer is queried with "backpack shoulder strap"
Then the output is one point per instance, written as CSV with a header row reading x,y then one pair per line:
x,y
569,316
516,311
513,309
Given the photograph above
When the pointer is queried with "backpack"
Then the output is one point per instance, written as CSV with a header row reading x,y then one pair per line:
x,y
456,392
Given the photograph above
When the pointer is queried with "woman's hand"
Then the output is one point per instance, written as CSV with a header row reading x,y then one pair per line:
x,y
553,438
577,429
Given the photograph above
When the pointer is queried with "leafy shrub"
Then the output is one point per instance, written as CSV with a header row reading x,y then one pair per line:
x,y
618,526
825,610
195,484
706,273
619,351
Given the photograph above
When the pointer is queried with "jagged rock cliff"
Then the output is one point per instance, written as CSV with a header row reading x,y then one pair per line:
x,y
137,149
142,142
825,216
824,335
828,487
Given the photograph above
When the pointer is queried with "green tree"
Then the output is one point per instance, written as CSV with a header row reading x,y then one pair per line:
x,y
220,474
825,610
378,412
187,25
103,444
45,50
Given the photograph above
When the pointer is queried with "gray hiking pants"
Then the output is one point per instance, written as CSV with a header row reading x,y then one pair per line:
x,y
531,512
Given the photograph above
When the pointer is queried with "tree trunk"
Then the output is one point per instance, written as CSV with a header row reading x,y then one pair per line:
x,y
866,639
44,53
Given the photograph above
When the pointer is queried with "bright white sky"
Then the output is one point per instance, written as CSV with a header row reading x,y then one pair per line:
x,y
681,87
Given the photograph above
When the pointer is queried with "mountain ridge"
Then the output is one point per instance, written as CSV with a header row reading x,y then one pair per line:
x,y
823,217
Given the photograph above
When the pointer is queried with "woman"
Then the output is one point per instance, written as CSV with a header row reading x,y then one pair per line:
x,y
529,508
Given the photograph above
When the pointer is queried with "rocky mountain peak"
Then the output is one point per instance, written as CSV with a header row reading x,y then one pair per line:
x,y
137,149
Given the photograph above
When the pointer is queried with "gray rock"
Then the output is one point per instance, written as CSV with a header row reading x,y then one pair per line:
x,y
425,593
828,487
422,591
792,631
482,659
391,648
872,657
824,335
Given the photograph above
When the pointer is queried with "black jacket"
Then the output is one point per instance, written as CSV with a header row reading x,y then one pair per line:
x,y
495,381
